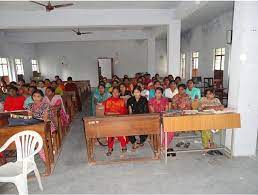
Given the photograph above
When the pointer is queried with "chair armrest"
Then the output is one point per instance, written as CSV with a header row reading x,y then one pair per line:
x,y
6,144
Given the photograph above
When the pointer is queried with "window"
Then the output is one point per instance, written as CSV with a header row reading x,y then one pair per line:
x,y
19,66
35,66
219,59
182,68
195,60
4,67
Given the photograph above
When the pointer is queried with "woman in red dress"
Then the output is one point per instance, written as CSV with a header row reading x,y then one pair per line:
x,y
13,101
115,106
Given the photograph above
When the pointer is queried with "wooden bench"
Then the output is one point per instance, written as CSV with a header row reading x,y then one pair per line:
x,y
123,125
69,106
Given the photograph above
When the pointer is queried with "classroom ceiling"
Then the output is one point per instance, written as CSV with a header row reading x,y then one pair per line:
x,y
206,13
29,6
203,14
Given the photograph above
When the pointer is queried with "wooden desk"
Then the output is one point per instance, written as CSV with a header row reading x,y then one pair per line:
x,y
200,122
125,125
43,129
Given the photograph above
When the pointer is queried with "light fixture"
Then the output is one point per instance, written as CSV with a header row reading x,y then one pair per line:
x,y
229,37
243,58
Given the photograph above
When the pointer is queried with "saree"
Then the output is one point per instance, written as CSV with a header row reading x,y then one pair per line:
x,y
58,101
38,112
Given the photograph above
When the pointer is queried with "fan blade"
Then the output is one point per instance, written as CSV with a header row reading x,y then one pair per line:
x,y
74,31
86,33
63,5
38,3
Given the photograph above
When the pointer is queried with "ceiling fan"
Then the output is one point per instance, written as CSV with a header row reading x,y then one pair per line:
x,y
49,7
78,32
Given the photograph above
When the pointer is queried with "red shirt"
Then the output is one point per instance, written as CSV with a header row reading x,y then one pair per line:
x,y
14,103
116,105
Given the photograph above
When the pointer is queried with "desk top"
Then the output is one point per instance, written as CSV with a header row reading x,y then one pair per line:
x,y
201,122
121,116
122,125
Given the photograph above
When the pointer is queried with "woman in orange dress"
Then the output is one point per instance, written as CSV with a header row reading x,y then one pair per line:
x,y
115,106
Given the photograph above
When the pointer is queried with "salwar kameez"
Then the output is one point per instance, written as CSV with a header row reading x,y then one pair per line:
x,y
117,106
207,135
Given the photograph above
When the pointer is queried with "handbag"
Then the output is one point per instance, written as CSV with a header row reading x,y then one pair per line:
x,y
18,120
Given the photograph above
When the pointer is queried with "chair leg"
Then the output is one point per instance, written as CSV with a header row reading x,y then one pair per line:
x,y
36,171
22,186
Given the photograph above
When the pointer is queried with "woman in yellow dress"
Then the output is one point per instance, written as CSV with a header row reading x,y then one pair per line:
x,y
209,102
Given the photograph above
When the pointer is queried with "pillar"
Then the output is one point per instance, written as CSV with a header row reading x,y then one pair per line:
x,y
173,47
243,79
151,55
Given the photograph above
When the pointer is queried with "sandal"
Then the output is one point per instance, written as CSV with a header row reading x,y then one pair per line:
x,y
187,145
109,153
218,152
211,152
178,145
171,154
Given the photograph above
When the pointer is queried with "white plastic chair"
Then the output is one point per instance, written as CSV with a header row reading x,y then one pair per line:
x,y
28,143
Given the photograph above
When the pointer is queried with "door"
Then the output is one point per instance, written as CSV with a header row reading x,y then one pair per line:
x,y
105,67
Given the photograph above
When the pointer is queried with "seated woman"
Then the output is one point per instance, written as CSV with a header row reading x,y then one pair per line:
x,y
13,101
59,90
56,101
71,86
47,83
181,101
166,83
124,93
160,104
115,83
29,99
107,84
2,100
152,91
41,86
171,91
41,110
144,92
192,91
99,96
54,84
128,85
209,102
115,106
137,104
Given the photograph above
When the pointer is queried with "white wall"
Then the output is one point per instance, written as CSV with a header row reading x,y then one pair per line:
x,y
81,58
24,51
204,38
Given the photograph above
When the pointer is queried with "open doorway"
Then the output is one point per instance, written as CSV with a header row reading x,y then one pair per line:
x,y
105,67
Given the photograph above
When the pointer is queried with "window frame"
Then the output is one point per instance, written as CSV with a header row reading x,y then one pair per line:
x,y
221,58
19,64
195,60
2,67
35,65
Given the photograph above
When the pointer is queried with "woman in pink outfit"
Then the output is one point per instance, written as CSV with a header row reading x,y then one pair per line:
x,y
159,104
